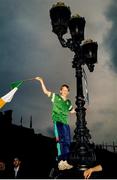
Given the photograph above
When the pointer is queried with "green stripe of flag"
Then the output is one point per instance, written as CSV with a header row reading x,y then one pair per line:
x,y
16,84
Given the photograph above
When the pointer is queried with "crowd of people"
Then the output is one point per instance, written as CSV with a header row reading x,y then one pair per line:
x,y
15,170
12,170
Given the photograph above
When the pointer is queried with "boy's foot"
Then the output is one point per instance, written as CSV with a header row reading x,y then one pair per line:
x,y
63,165
68,166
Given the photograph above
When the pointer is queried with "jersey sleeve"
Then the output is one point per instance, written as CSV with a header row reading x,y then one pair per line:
x,y
70,106
52,97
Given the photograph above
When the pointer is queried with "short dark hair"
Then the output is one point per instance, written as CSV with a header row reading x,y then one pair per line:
x,y
65,85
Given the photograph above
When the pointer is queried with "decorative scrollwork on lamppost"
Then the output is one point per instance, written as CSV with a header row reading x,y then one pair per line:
x,y
85,53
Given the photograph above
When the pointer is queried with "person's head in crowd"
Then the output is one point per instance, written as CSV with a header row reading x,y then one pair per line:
x,y
16,162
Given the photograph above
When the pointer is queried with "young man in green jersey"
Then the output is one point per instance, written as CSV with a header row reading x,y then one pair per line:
x,y
60,111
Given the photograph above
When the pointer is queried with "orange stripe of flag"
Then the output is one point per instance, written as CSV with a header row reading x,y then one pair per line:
x,y
2,103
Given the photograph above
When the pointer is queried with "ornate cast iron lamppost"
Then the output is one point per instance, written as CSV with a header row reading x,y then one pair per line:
x,y
85,53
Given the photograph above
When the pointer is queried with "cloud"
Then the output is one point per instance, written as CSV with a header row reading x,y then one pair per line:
x,y
111,38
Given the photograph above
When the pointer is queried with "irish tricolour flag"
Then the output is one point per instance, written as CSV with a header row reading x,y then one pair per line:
x,y
9,96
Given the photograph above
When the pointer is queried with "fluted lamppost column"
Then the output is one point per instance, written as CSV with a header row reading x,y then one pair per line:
x,y
85,53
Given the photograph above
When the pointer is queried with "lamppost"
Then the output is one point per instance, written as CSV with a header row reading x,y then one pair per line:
x,y
85,53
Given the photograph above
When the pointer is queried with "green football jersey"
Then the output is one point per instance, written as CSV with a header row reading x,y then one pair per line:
x,y
60,109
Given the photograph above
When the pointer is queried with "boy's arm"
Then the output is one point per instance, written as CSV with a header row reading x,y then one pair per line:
x,y
45,90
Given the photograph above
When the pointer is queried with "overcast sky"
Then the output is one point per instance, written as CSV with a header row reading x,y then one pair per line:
x,y
28,48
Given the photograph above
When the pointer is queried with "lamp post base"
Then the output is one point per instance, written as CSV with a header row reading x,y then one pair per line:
x,y
82,157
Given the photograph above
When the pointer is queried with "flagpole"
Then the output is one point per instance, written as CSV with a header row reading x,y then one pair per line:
x,y
30,79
